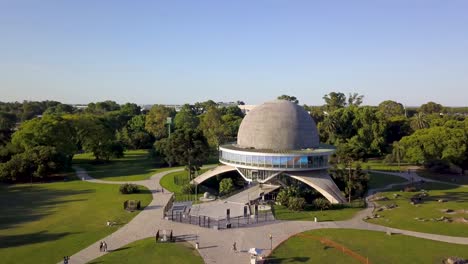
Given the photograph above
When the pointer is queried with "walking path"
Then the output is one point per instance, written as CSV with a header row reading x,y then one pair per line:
x,y
216,246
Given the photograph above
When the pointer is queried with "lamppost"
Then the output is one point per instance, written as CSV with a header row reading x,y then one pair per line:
x,y
271,242
169,124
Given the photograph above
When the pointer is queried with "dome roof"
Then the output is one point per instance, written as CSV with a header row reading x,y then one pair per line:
x,y
278,125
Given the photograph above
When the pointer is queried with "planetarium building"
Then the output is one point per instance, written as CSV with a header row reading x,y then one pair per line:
x,y
279,138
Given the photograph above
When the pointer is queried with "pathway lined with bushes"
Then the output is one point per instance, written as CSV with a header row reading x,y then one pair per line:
x,y
216,246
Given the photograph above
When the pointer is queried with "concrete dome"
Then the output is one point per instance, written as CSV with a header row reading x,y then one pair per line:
x,y
278,125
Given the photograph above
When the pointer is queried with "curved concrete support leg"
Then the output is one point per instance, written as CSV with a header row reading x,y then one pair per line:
x,y
321,182
212,173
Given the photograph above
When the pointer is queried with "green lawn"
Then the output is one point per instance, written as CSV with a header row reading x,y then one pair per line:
x,y
380,180
134,166
169,184
147,251
404,216
376,246
283,213
381,165
44,222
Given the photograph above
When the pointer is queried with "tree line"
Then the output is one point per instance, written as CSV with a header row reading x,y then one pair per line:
x,y
51,133
46,141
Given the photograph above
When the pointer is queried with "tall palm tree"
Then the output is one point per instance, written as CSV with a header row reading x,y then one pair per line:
x,y
398,152
419,121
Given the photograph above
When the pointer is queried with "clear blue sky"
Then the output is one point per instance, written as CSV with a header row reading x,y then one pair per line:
x,y
188,51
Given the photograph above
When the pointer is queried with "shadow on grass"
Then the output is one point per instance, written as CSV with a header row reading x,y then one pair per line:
x,y
287,260
26,239
130,165
20,204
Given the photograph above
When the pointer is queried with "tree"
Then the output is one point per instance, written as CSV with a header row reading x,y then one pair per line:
x,y
97,137
130,109
134,134
334,101
186,147
419,121
202,107
212,126
347,154
53,131
186,118
398,152
102,107
7,124
391,109
226,186
431,108
37,162
355,99
156,120
292,99
437,144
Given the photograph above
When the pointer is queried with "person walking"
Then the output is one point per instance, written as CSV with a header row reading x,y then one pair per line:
x,y
101,245
105,246
234,247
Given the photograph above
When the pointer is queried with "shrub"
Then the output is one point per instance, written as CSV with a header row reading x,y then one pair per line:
x,y
128,188
282,198
188,188
296,203
321,204
226,186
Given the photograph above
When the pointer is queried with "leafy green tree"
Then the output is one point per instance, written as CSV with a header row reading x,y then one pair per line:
x,y
7,124
60,109
398,152
35,162
355,99
391,109
186,118
53,131
431,108
185,147
202,107
95,136
347,153
292,99
437,144
156,120
370,130
134,134
226,186
212,126
419,121
334,101
102,107
130,109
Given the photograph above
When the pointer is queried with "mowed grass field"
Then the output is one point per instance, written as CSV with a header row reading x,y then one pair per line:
x,y
168,182
377,247
147,251
404,215
136,165
44,222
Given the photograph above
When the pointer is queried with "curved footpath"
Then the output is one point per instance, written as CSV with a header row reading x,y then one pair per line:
x,y
215,246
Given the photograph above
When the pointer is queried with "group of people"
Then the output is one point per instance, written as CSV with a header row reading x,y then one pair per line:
x,y
66,259
103,246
